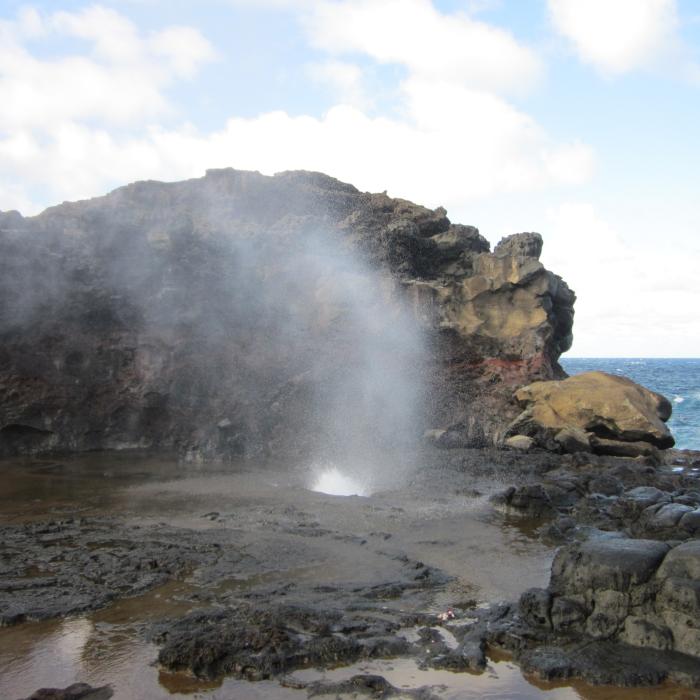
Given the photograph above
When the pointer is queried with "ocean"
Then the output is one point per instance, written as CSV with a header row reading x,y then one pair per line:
x,y
677,379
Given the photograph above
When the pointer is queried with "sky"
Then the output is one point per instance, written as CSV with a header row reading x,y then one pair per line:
x,y
574,118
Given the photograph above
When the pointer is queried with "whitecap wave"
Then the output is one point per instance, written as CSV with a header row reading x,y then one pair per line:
x,y
678,399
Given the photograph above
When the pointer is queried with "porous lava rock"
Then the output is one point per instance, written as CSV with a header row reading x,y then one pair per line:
x,y
643,593
77,691
68,567
121,323
594,412
617,611
580,495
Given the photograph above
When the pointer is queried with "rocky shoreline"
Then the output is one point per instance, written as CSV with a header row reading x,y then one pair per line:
x,y
239,319
620,608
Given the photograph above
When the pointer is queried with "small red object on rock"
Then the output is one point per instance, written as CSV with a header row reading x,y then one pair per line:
x,y
447,615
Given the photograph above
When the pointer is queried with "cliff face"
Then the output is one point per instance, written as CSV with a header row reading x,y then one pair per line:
x,y
145,318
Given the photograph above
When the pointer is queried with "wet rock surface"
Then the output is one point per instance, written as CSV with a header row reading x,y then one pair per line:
x,y
277,586
77,691
65,567
367,685
612,614
621,604
638,497
258,643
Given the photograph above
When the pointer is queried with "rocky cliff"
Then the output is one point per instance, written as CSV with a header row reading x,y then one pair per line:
x,y
144,318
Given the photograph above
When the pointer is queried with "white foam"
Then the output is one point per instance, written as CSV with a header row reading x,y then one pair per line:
x,y
333,482
678,399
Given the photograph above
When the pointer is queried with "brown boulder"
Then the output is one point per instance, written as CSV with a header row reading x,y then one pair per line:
x,y
611,410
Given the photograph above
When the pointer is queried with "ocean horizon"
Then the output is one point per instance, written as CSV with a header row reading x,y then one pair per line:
x,y
677,378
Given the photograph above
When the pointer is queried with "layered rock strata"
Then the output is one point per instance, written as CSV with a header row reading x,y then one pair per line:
x,y
121,323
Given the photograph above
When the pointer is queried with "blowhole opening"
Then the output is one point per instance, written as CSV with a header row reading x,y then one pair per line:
x,y
333,481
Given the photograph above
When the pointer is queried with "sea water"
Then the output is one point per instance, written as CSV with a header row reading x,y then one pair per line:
x,y
678,379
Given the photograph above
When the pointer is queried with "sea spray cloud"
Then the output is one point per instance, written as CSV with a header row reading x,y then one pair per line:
x,y
341,330
369,393
230,329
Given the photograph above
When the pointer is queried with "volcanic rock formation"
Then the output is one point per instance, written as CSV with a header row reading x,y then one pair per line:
x,y
121,322
643,593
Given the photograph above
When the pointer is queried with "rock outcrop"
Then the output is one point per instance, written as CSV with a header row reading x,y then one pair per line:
x,y
122,319
584,494
617,611
621,606
642,593
594,412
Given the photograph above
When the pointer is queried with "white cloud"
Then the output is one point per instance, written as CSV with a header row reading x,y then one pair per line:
x,y
119,80
431,45
29,22
79,124
274,4
184,48
633,300
345,79
617,36
491,148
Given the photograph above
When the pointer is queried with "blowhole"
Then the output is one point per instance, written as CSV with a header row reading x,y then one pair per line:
x,y
334,482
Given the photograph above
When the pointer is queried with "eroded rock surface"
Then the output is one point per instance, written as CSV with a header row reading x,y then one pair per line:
x,y
146,318
641,593
620,607
594,412
261,643
614,613
367,685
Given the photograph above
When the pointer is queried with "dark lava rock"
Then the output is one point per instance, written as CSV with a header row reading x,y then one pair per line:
x,y
606,493
605,663
534,607
606,564
256,643
372,686
77,691
65,567
165,307
617,611
530,500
